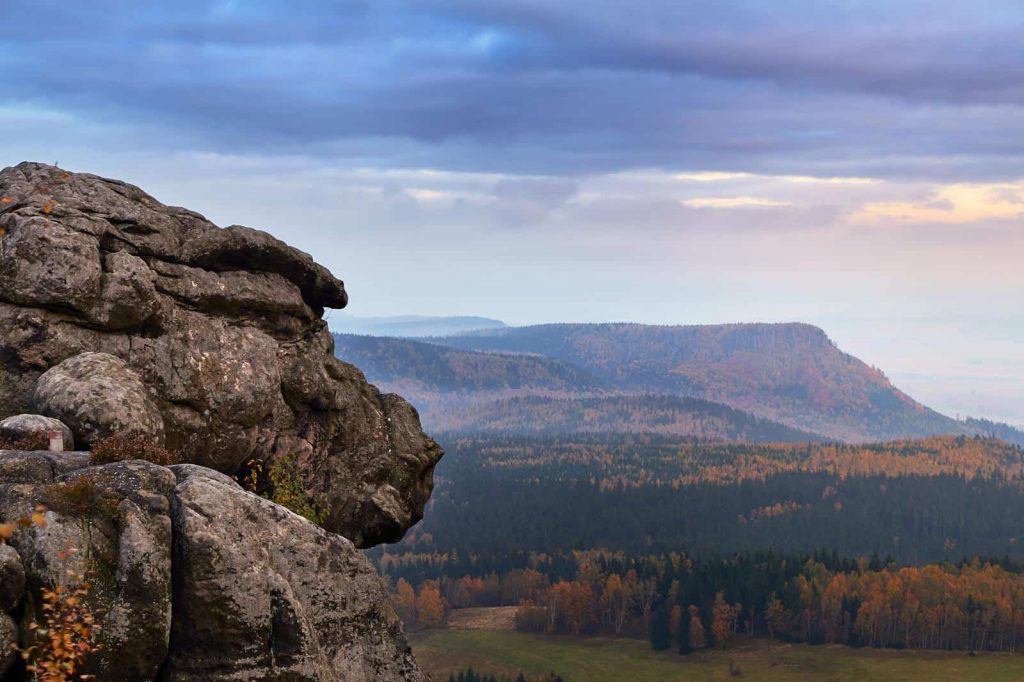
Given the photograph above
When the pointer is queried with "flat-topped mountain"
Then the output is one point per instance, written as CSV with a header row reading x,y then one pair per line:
x,y
791,373
787,373
468,391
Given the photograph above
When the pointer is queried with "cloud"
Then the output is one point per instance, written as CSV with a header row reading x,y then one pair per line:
x,y
529,87
710,176
958,204
735,202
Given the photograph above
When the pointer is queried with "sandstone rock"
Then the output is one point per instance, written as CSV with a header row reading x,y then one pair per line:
x,y
43,263
194,578
222,327
122,546
12,578
25,425
261,593
98,395
8,639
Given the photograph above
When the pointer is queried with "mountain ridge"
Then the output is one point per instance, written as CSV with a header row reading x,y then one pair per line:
x,y
792,373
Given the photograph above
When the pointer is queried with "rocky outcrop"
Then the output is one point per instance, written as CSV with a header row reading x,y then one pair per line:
x,y
265,594
118,310
193,578
23,426
98,396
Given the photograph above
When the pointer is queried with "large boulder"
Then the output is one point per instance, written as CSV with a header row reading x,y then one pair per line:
x,y
109,526
23,426
98,396
262,593
191,577
221,328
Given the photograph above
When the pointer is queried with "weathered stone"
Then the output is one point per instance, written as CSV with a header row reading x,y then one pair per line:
x,y
45,264
98,395
12,578
128,299
8,640
261,593
193,578
26,425
223,329
122,547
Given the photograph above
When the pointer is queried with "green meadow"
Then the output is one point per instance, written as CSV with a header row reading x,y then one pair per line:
x,y
594,659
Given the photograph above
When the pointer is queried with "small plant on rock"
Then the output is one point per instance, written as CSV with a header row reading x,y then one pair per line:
x,y
67,633
129,445
288,491
279,483
38,518
80,498
35,441
84,501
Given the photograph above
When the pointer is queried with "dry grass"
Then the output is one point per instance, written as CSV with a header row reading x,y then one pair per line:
x,y
485,618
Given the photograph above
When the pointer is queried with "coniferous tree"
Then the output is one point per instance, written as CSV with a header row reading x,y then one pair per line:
x,y
685,647
661,634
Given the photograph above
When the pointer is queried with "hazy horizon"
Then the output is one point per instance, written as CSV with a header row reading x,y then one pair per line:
x,y
853,165
969,395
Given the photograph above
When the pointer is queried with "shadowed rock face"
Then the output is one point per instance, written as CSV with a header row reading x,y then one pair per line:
x,y
221,328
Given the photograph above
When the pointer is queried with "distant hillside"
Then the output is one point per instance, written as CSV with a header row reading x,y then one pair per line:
x,y
411,325
1005,432
391,363
641,414
791,373
467,391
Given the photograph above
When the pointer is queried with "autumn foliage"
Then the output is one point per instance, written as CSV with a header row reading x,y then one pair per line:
x,y
125,446
971,606
66,634
67,631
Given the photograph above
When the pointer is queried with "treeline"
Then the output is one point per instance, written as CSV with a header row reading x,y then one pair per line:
x,y
924,501
693,604
999,430
619,414
633,460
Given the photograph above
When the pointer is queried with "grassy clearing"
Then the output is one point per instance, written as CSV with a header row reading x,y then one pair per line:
x,y
484,618
595,659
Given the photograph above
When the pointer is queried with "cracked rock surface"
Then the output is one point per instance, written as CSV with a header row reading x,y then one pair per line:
x,y
192,578
120,311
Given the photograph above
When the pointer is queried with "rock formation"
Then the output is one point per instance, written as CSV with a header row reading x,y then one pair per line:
x,y
22,426
193,578
212,341
122,315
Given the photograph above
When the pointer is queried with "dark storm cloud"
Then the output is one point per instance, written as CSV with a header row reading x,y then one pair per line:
x,y
908,88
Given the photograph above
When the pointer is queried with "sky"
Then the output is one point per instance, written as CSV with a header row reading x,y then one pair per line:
x,y
857,165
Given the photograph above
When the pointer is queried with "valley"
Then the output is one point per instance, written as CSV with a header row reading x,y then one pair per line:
x,y
613,493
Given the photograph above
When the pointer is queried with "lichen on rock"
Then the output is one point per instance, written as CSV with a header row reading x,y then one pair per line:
x,y
211,340
125,316
193,578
